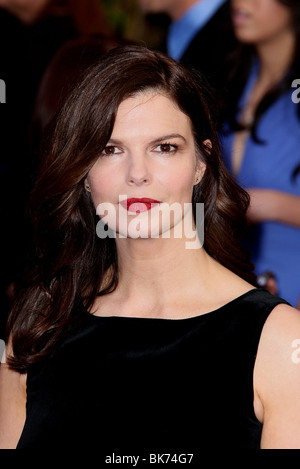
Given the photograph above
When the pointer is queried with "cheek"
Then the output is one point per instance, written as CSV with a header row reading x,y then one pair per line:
x,y
101,190
177,182
273,18
104,185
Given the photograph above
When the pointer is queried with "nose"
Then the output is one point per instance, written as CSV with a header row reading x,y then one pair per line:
x,y
138,171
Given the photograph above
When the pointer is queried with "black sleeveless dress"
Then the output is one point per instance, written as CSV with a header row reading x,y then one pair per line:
x,y
144,384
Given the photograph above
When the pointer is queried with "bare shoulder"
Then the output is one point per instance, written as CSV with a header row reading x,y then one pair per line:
x,y
12,405
277,378
281,330
279,343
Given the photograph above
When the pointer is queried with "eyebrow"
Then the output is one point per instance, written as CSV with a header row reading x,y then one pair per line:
x,y
167,137
156,140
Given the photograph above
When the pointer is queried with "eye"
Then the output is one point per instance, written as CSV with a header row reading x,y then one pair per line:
x,y
111,150
166,148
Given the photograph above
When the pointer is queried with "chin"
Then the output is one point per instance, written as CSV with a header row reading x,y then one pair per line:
x,y
245,38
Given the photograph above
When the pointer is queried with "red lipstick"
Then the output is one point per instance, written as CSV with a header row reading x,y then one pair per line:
x,y
138,205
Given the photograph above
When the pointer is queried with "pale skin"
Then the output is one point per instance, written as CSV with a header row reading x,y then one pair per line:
x,y
268,26
155,272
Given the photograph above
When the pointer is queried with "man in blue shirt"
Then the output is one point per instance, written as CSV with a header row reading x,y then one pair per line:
x,y
200,34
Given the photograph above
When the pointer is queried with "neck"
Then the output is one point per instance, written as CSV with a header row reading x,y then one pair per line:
x,y
160,277
275,57
153,271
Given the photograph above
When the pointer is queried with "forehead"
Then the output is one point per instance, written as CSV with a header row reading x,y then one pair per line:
x,y
150,110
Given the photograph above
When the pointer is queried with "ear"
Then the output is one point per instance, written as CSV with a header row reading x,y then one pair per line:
x,y
86,185
208,145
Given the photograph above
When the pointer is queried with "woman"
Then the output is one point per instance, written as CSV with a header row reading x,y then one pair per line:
x,y
133,341
261,138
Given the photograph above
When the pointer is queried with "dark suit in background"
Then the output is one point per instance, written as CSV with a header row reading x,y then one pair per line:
x,y
202,37
210,47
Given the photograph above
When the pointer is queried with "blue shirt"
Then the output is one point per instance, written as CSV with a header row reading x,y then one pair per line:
x,y
274,246
182,31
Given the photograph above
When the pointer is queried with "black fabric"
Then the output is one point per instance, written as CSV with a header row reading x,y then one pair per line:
x,y
210,52
156,384
210,49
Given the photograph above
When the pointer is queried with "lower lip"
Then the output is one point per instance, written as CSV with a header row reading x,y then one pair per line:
x,y
138,207
239,18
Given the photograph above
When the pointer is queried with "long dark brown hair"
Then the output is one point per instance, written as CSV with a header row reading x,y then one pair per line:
x,y
69,260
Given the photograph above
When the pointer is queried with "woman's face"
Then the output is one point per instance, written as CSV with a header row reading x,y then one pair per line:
x,y
148,165
259,21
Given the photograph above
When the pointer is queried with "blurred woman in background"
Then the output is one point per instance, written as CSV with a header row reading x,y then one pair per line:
x,y
261,138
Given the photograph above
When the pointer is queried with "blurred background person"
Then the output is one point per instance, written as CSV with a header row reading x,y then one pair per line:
x,y
261,138
31,32
200,34
87,15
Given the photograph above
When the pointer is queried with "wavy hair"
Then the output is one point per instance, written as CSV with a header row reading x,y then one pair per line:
x,y
69,260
